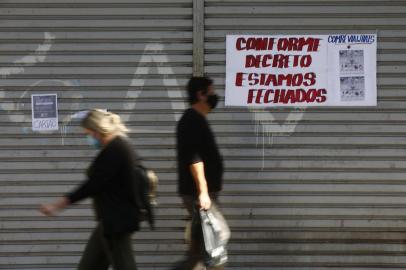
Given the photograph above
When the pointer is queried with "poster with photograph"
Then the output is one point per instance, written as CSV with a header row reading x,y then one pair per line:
x,y
44,112
301,70
351,61
352,88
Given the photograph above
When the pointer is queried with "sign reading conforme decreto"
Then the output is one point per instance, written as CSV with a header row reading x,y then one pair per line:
x,y
301,70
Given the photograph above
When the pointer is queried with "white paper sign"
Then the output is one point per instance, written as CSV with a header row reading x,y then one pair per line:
x,y
301,70
44,112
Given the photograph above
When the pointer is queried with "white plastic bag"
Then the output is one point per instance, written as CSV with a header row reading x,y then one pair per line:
x,y
216,234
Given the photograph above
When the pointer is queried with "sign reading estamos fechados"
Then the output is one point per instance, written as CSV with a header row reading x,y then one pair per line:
x,y
319,70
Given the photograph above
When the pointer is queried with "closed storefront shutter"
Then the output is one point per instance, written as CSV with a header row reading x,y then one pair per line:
x,y
320,188
315,188
130,57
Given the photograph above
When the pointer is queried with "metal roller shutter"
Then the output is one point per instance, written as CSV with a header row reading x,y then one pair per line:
x,y
130,57
319,188
304,189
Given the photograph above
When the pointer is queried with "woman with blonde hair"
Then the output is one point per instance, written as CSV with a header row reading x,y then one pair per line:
x,y
110,186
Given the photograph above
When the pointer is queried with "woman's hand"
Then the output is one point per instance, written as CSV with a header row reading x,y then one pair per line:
x,y
51,209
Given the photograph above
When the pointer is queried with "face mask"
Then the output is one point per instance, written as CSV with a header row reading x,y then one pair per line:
x,y
212,100
93,141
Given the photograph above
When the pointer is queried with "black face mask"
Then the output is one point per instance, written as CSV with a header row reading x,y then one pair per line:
x,y
212,100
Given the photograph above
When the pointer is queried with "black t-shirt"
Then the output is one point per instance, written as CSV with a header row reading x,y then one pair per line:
x,y
195,143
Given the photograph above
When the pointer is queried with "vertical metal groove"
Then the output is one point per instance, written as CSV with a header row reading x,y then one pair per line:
x,y
198,37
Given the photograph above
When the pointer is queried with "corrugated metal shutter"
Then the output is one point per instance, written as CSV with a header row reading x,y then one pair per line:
x,y
131,57
315,189
322,188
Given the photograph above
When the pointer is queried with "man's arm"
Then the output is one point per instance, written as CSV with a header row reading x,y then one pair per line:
x,y
197,170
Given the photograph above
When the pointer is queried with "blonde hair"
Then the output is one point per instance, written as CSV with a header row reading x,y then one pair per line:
x,y
104,123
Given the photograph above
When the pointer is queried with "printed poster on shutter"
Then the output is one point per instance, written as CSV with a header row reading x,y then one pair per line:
x,y
44,112
301,70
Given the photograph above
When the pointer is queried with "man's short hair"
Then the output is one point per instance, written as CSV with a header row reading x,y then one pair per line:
x,y
195,85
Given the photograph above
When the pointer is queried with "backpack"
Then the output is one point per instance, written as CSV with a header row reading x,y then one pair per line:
x,y
145,187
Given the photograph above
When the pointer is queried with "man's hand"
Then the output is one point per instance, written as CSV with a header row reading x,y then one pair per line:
x,y
204,201
197,170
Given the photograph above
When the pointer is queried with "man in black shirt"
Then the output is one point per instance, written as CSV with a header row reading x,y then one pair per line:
x,y
200,165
